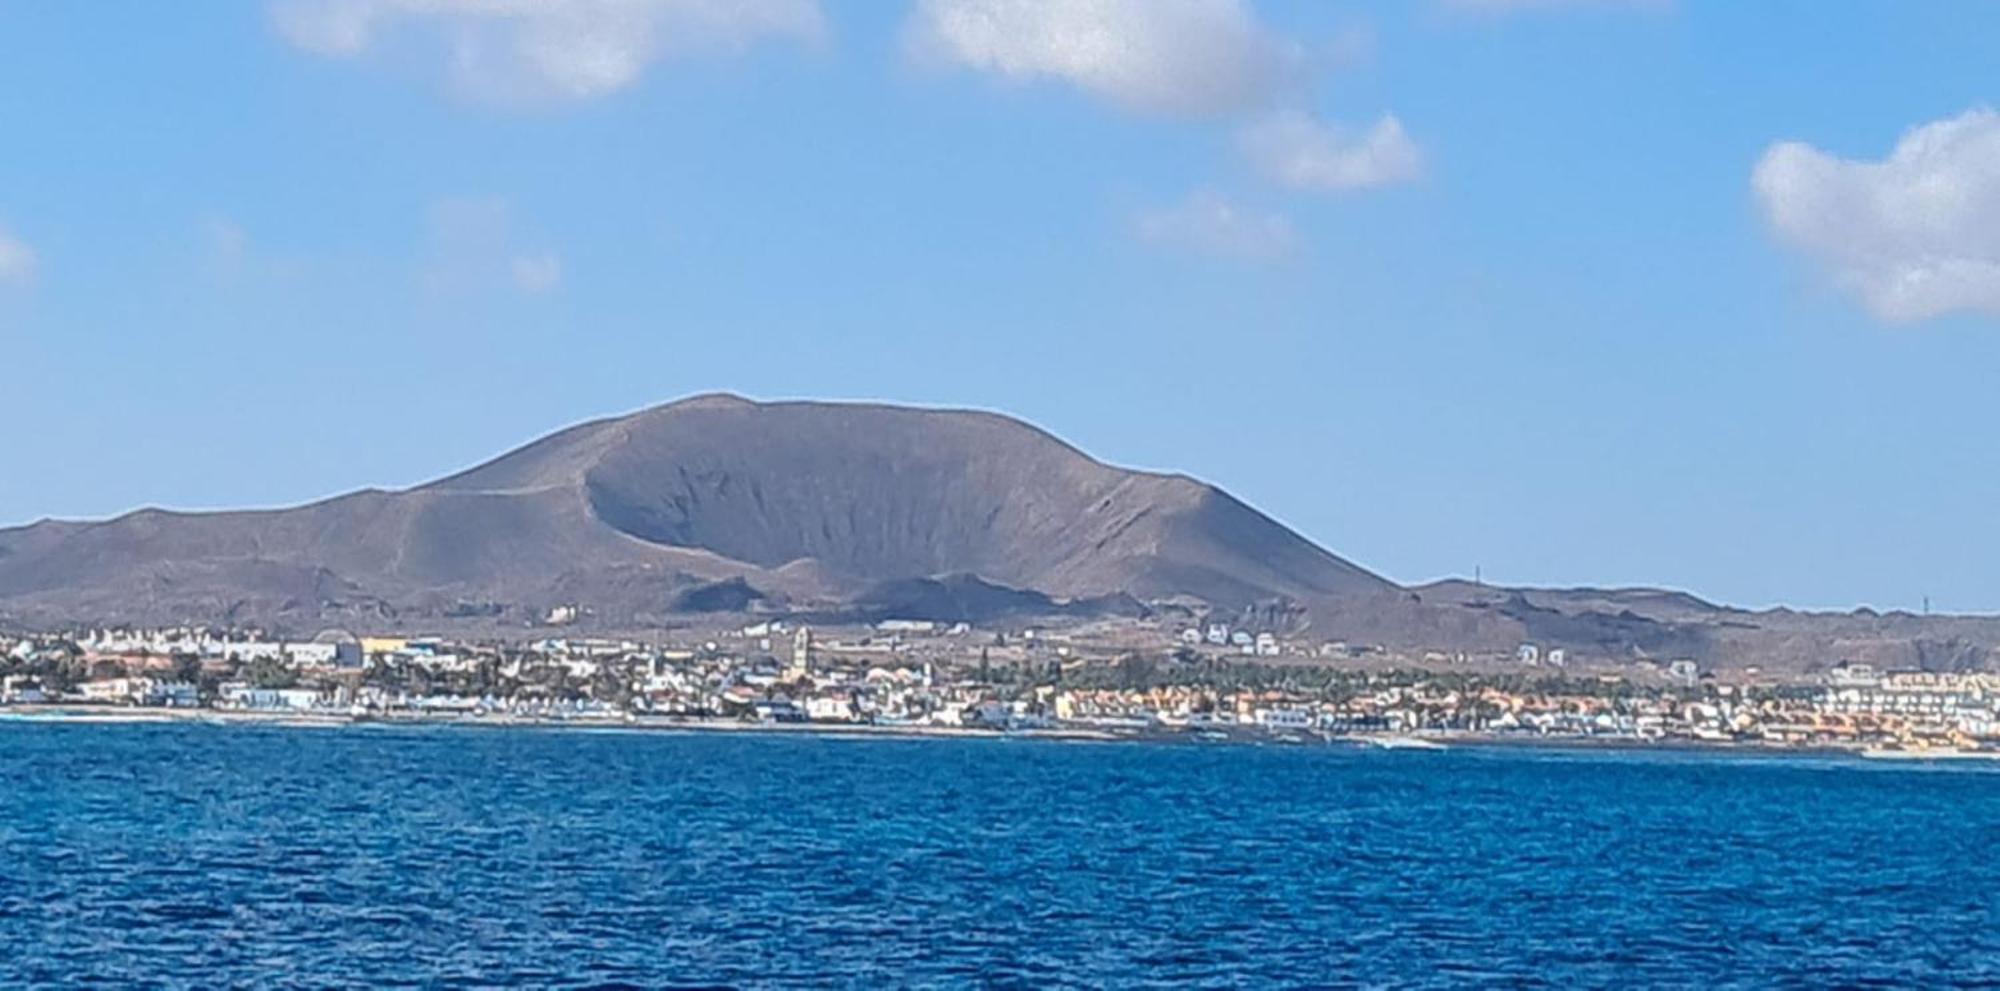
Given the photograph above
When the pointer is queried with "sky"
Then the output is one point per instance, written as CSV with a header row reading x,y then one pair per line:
x,y
1688,293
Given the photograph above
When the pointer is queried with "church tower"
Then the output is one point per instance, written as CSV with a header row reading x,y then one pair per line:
x,y
802,641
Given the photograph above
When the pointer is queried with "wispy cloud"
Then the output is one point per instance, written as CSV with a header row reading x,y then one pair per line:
x,y
232,258
1186,58
1210,224
1295,150
1915,235
544,51
18,262
472,245
537,271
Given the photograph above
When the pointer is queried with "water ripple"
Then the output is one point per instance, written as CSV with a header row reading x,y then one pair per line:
x,y
197,856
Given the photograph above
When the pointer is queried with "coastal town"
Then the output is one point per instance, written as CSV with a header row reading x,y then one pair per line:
x,y
1205,683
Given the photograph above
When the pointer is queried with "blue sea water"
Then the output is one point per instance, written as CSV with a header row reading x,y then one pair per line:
x,y
197,856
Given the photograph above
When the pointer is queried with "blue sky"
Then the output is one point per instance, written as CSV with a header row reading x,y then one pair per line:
x,y
1695,294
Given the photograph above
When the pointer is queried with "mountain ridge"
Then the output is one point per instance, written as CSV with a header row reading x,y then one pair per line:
x,y
708,488
717,503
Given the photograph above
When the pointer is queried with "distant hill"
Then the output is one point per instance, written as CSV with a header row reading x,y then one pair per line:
x,y
717,505
714,502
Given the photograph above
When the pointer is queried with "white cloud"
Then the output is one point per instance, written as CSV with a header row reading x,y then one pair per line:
x,y
17,260
537,272
1186,58
1915,235
541,51
472,246
1189,58
1208,223
1295,150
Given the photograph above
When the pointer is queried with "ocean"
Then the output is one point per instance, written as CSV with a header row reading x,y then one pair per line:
x,y
196,856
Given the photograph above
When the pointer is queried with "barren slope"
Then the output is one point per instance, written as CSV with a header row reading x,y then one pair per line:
x,y
809,503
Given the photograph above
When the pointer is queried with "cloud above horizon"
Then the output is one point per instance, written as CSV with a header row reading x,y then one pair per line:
x,y
1915,235
1208,223
536,272
17,261
1298,151
533,52
1171,58
473,245
1183,59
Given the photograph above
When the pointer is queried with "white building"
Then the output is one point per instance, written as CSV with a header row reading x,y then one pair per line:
x,y
1285,717
246,651
246,697
830,709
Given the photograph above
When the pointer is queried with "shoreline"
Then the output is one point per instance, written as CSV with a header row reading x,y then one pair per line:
x,y
112,715
86,715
